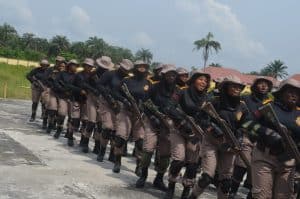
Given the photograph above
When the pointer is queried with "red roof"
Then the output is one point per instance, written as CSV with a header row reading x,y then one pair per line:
x,y
296,77
218,73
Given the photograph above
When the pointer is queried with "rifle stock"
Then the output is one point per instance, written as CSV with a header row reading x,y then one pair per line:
x,y
135,108
290,146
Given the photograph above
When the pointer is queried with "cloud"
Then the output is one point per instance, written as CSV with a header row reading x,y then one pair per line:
x,y
15,11
76,25
221,17
142,39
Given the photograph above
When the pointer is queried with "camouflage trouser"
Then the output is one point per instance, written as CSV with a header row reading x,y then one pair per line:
x,y
108,120
126,126
271,178
184,151
36,94
156,140
52,101
79,110
92,105
216,159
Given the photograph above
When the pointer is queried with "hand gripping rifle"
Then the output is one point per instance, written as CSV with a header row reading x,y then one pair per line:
x,y
135,109
290,146
162,117
229,135
39,83
191,120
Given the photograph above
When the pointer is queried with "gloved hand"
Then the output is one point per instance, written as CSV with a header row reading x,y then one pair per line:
x,y
155,122
96,92
127,104
271,138
186,129
116,107
216,131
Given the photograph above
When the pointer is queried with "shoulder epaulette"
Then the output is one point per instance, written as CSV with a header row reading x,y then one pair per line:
x,y
183,87
266,101
151,81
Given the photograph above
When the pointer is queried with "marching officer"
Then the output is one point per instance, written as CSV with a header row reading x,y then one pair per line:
x,y
79,107
51,104
63,89
127,123
217,152
156,134
259,96
103,64
185,147
108,84
35,76
272,168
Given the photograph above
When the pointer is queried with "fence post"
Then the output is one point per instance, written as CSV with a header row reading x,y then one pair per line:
x,y
5,90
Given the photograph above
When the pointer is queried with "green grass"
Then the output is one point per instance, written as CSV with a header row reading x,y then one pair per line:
x,y
18,87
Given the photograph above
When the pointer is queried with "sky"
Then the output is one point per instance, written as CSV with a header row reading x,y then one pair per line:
x,y
252,33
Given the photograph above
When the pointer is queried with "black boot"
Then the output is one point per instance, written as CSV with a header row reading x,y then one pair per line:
x,y
44,126
125,150
140,183
159,182
96,147
138,169
117,166
185,193
67,133
111,156
58,132
85,145
32,118
170,191
33,113
81,139
101,154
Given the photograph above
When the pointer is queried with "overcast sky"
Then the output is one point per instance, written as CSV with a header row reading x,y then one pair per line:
x,y
252,33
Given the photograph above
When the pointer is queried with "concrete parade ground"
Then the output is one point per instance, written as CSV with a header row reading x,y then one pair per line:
x,y
33,165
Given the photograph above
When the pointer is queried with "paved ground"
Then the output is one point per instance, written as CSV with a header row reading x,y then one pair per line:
x,y
33,165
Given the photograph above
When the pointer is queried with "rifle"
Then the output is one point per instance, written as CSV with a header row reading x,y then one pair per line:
x,y
211,111
154,110
39,83
191,120
135,109
290,146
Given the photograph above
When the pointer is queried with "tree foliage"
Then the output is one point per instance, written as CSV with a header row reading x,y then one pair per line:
x,y
31,47
207,45
145,55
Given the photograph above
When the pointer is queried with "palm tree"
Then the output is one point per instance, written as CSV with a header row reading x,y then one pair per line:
x,y
207,45
276,69
62,42
96,47
145,55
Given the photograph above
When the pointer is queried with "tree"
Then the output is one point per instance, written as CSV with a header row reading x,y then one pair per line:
x,y
97,47
62,42
145,55
215,64
207,45
276,69
7,32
